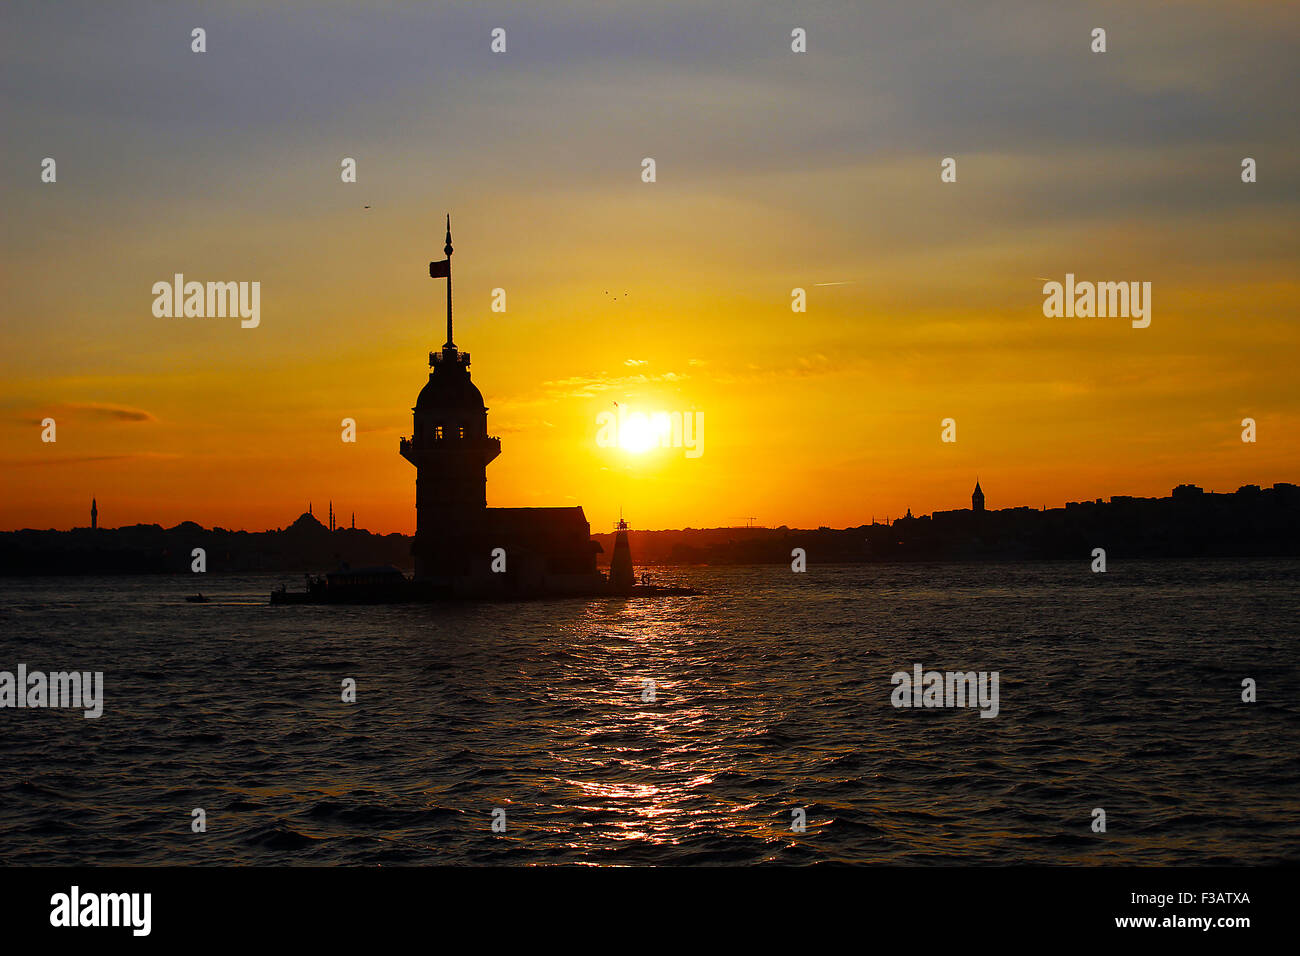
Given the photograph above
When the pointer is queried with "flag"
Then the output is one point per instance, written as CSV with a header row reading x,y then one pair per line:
x,y
440,270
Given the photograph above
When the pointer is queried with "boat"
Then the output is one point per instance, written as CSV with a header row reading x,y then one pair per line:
x,y
375,585
388,585
196,599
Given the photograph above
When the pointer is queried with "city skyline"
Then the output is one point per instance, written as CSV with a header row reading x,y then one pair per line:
x,y
332,514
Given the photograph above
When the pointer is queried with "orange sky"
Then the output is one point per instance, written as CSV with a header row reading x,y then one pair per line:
x,y
824,418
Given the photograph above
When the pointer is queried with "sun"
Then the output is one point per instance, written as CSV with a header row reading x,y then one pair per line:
x,y
638,434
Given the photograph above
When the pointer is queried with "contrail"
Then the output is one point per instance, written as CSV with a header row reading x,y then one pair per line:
x,y
848,282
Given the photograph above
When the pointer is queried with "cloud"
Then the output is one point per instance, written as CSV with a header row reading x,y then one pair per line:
x,y
589,386
84,459
520,426
93,411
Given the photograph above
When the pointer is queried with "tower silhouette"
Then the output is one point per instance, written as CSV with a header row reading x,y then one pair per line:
x,y
977,497
450,450
94,514
621,578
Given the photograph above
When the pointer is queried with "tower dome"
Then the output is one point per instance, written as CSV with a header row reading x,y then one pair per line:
x,y
450,389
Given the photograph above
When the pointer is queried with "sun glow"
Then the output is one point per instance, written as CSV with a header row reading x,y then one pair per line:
x,y
641,432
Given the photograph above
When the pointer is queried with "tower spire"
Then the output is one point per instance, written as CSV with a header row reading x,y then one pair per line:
x,y
451,343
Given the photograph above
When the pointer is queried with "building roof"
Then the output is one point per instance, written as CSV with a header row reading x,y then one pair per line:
x,y
536,520
536,527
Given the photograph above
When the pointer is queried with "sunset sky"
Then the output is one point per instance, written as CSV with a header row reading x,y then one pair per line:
x,y
775,170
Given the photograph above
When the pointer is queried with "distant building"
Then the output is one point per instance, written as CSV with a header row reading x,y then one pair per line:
x,y
94,514
977,497
306,523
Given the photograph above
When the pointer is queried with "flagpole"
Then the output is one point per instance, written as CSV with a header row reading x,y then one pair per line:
x,y
447,250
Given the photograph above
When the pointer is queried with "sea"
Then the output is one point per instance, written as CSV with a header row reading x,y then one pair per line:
x,y
753,724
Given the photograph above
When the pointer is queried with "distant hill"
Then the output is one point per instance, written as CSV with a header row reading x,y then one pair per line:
x,y
1251,522
306,545
1190,523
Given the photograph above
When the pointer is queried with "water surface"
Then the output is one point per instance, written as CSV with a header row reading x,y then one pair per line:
x,y
772,692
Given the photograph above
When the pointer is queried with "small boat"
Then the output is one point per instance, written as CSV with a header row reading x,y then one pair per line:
x,y
662,590
196,599
378,585
388,585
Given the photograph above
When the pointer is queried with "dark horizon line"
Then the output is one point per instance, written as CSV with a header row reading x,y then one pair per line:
x,y
1192,489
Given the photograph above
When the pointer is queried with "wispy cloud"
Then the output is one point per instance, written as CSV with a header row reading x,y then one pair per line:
x,y
90,411
590,386
84,459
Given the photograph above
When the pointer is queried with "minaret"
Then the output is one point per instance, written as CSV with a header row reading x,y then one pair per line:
x,y
450,450
331,514
354,521
977,497
94,514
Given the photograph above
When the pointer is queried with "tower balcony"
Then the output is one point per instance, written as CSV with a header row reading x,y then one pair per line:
x,y
449,442
448,355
